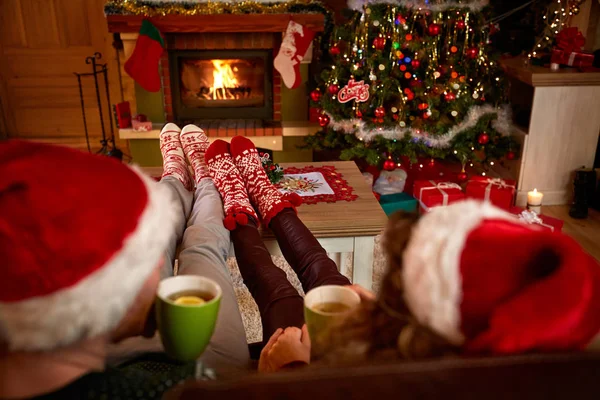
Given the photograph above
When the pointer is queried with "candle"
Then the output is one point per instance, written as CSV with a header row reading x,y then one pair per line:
x,y
534,201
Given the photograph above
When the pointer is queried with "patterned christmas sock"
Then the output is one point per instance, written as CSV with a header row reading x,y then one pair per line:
x,y
173,158
229,184
195,143
262,192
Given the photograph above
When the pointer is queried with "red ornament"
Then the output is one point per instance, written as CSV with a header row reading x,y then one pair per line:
x,y
380,112
334,50
511,155
462,177
333,89
410,96
423,106
272,167
315,95
434,29
395,117
484,138
472,52
389,165
323,120
460,24
379,43
359,114
416,63
380,120
450,97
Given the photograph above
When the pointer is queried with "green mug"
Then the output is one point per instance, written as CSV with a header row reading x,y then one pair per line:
x,y
185,330
318,321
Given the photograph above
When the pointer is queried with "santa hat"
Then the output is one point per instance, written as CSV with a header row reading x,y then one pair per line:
x,y
486,281
79,235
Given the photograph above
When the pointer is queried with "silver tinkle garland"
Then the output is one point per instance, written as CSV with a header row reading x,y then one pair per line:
x,y
502,124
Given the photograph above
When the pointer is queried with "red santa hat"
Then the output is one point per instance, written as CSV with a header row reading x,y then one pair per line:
x,y
79,235
490,283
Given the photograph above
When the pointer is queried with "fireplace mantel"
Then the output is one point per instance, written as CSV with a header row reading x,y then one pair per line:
x,y
216,23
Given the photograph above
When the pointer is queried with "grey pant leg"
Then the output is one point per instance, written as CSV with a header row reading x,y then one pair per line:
x,y
136,346
204,252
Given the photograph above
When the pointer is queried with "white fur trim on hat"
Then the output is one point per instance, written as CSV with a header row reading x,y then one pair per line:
x,y
431,264
97,303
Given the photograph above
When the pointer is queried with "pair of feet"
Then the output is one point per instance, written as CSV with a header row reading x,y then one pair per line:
x,y
236,170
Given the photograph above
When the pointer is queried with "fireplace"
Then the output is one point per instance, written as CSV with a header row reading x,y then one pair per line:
x,y
221,84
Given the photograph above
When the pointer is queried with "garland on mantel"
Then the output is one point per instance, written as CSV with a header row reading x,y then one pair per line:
x,y
150,8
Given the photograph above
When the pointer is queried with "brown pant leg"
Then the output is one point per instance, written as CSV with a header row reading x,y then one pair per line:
x,y
304,253
279,303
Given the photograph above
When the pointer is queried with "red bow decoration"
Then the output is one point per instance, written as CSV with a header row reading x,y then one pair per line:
x,y
570,40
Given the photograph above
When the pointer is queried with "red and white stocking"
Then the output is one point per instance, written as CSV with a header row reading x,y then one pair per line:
x,y
296,41
195,143
173,157
228,181
263,194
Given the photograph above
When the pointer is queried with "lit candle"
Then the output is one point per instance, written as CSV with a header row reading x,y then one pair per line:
x,y
534,201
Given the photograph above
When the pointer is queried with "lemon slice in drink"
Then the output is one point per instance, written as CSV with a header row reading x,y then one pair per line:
x,y
190,301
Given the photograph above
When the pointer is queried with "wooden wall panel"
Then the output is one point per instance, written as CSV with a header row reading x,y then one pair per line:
x,y
42,43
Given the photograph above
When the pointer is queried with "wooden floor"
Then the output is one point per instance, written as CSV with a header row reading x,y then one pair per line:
x,y
585,231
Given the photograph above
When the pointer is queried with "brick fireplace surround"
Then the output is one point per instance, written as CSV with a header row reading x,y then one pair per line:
x,y
221,32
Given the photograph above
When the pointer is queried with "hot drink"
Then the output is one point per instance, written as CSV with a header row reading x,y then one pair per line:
x,y
331,307
191,297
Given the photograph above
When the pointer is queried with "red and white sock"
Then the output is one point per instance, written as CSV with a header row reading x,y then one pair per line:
x,y
263,194
195,143
228,181
294,45
173,157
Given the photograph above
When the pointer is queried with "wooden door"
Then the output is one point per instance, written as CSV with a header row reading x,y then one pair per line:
x,y
42,44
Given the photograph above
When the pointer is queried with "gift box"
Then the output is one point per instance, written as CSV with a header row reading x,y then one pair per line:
x,y
398,201
141,126
499,192
578,59
435,193
543,221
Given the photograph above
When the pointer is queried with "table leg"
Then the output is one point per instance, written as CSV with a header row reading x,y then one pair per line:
x,y
337,259
363,261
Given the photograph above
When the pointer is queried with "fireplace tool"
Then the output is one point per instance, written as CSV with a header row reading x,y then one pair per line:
x,y
109,147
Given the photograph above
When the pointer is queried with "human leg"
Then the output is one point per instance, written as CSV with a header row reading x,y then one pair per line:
x,y
204,252
304,253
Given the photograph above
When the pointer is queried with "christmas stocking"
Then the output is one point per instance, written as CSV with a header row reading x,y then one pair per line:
x,y
173,158
142,66
229,183
263,194
295,43
195,143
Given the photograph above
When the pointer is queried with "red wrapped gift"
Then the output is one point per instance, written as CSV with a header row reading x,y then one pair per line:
x,y
569,43
543,221
499,192
436,193
578,59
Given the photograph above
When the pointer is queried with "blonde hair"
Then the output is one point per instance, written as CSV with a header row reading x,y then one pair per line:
x,y
384,329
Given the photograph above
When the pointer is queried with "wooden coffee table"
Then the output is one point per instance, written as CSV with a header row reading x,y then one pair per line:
x,y
343,227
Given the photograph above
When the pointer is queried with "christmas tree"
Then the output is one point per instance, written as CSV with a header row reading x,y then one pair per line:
x,y
414,78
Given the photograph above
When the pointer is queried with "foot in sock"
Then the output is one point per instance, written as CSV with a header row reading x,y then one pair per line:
x,y
228,181
195,143
263,194
174,163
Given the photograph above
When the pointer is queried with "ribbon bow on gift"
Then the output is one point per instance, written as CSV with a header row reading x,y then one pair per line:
x,y
439,186
570,40
530,218
495,181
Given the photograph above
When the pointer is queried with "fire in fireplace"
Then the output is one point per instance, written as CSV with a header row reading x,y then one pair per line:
x,y
221,84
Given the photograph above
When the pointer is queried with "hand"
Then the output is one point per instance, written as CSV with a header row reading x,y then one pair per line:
x,y
365,294
285,347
